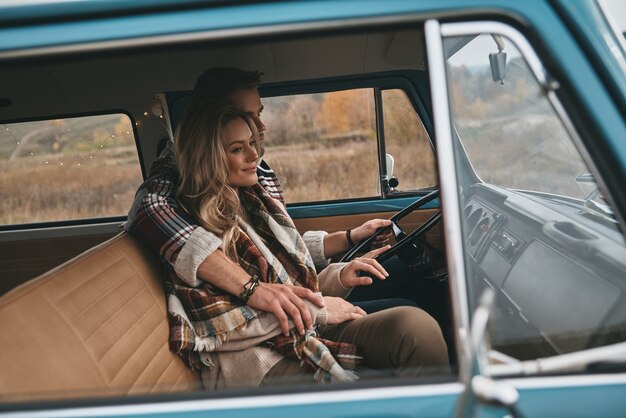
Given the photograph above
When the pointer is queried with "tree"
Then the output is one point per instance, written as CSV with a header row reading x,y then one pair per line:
x,y
346,111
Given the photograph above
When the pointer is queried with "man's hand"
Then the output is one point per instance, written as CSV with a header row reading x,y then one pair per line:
x,y
369,228
340,310
349,275
336,243
286,302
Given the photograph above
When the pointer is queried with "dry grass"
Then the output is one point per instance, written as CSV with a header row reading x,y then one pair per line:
x,y
349,170
32,191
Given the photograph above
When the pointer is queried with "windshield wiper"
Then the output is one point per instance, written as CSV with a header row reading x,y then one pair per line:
x,y
606,367
612,355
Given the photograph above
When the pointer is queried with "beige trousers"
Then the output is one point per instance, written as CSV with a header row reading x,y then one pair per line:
x,y
400,341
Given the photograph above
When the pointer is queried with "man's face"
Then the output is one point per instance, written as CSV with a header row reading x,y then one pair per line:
x,y
249,101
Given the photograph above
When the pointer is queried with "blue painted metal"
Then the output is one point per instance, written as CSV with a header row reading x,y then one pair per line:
x,y
600,44
574,401
355,207
27,10
435,406
215,18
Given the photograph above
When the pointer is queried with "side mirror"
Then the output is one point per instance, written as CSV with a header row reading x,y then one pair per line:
x,y
392,182
497,61
389,163
480,389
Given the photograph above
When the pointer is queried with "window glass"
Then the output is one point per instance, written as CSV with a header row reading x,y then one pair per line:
x,y
323,146
407,141
536,225
64,169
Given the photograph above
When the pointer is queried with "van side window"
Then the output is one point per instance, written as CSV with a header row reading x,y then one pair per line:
x,y
407,141
67,169
323,146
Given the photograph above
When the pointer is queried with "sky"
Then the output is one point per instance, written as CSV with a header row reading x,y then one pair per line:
x,y
617,9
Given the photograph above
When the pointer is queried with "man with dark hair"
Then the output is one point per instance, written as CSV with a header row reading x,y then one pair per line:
x,y
220,82
194,253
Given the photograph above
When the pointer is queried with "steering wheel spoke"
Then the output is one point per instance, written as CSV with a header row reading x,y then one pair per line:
x,y
398,232
403,240
412,244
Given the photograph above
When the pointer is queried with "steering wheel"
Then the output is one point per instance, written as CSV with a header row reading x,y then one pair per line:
x,y
407,246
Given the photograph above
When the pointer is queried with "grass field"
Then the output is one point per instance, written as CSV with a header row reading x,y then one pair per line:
x,y
32,191
349,170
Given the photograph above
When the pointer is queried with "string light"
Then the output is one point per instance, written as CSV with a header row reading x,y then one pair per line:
x,y
58,122
157,109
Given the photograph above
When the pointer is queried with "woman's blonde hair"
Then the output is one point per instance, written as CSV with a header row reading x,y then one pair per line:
x,y
203,190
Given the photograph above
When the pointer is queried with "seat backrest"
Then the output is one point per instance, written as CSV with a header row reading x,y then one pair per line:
x,y
94,326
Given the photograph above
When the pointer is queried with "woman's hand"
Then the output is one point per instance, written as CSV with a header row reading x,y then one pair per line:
x,y
349,275
369,228
340,310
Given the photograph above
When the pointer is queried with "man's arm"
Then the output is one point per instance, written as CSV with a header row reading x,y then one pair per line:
x,y
284,301
162,225
157,220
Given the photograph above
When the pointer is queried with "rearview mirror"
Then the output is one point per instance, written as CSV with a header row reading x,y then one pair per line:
x,y
497,61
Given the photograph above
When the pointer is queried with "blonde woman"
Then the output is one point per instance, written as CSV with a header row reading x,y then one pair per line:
x,y
234,344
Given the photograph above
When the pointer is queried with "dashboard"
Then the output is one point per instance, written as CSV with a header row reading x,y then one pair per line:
x,y
558,276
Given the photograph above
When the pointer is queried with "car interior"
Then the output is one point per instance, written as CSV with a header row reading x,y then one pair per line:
x,y
75,283
86,299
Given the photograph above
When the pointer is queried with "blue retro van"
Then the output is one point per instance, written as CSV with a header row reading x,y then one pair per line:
x,y
492,133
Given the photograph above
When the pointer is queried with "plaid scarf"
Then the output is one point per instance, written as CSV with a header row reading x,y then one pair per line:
x,y
269,246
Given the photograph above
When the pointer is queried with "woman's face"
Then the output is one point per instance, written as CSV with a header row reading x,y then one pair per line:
x,y
239,144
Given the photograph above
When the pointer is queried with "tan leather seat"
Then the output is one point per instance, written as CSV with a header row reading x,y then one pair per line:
x,y
94,326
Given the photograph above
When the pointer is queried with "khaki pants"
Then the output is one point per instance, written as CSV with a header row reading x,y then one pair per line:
x,y
400,341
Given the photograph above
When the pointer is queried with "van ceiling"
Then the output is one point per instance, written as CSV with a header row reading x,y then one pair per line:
x,y
128,81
